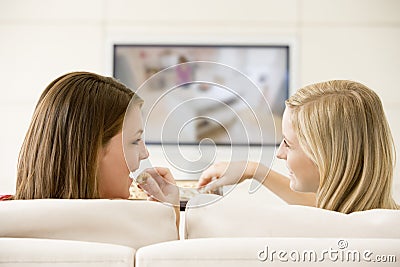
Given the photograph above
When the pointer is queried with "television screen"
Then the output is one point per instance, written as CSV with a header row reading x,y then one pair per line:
x,y
222,94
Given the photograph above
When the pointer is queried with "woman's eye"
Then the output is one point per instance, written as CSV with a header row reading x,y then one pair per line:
x,y
285,143
136,142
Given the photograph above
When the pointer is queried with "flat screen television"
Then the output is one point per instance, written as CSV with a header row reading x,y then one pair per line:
x,y
224,94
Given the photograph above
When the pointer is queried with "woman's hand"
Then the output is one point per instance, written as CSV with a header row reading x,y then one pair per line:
x,y
160,186
226,173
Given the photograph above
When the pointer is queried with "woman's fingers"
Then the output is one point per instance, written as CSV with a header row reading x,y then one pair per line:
x,y
204,181
161,185
214,185
157,177
151,187
162,175
215,171
224,173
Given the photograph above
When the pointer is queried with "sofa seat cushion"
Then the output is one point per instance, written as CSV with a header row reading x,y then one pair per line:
x,y
251,252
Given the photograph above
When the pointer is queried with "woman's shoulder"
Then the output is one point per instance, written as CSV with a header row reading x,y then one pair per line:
x,y
5,197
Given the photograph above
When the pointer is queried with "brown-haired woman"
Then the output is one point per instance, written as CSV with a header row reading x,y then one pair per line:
x,y
74,147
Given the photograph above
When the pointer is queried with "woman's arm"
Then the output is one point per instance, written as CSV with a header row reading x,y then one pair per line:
x,y
229,173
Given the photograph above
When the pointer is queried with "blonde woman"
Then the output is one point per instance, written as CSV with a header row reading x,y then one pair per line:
x,y
74,147
338,148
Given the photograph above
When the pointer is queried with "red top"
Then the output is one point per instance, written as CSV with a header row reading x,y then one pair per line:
x,y
6,197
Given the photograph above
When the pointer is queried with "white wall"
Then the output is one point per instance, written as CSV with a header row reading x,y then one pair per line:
x,y
42,39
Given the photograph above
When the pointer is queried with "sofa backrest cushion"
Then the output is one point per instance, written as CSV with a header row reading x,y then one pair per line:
x,y
122,222
230,216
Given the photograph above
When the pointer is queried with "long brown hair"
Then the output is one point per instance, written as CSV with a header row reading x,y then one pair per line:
x,y
342,127
76,115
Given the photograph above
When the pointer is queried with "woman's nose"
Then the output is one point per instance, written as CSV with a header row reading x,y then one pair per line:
x,y
144,152
281,153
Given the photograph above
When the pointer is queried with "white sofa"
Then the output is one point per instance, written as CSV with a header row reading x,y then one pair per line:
x,y
233,231
239,231
62,232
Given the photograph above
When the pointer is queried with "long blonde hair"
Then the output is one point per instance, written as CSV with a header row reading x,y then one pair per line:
x,y
76,114
342,127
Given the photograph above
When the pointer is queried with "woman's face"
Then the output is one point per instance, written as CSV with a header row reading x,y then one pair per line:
x,y
114,180
304,174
